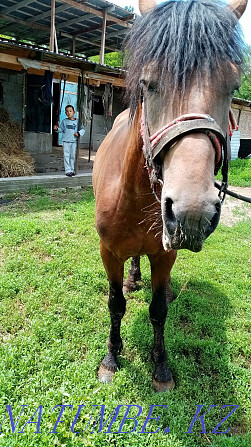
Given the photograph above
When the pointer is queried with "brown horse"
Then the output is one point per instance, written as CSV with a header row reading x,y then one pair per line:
x,y
153,175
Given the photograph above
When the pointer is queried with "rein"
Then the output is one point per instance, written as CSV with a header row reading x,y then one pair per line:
x,y
169,134
234,194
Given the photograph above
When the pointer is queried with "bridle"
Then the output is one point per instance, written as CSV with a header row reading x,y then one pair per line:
x,y
171,132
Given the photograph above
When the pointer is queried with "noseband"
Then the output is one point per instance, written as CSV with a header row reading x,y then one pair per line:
x,y
169,134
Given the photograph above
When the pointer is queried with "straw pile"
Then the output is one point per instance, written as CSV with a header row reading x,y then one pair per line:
x,y
14,161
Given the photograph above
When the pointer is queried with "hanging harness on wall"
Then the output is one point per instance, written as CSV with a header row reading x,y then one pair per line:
x,y
63,77
85,100
107,100
45,92
87,105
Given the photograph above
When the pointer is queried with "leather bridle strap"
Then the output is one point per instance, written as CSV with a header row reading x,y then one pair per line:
x,y
184,125
170,133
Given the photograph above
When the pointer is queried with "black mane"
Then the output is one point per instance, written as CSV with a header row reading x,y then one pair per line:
x,y
184,38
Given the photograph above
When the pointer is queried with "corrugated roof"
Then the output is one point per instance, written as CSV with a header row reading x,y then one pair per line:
x,y
30,20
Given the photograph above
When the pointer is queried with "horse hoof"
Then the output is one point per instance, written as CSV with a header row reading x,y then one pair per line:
x,y
162,378
171,297
131,285
161,387
108,367
105,375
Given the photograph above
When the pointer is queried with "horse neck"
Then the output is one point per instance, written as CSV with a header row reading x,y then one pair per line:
x,y
134,175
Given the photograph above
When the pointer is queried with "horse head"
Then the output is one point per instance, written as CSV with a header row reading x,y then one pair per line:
x,y
237,6
187,71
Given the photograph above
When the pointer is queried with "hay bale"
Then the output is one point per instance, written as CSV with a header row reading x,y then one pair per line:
x,y
14,161
11,138
16,165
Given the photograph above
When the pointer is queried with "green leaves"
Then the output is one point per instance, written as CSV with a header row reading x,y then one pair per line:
x,y
244,91
114,59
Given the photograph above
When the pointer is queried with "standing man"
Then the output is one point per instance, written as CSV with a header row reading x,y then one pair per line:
x,y
69,128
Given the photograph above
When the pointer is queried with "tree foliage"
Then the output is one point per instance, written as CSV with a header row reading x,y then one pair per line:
x,y
244,91
114,59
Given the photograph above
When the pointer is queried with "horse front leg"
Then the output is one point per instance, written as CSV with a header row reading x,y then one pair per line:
x,y
133,276
117,306
162,295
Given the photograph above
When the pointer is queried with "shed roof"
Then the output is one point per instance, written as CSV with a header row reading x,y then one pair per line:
x,y
16,56
78,21
242,103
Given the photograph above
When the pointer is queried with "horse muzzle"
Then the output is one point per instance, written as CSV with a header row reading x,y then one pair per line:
x,y
188,228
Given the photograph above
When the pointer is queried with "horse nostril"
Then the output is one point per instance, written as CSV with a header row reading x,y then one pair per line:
x,y
218,206
215,219
170,218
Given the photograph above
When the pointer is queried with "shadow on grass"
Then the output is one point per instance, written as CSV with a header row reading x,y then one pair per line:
x,y
198,356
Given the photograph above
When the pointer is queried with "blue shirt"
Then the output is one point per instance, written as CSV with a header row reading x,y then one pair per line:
x,y
68,128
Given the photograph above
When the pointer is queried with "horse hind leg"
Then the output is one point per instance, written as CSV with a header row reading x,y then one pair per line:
x,y
130,284
117,306
161,296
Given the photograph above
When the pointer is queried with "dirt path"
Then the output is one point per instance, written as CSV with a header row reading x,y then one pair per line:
x,y
235,210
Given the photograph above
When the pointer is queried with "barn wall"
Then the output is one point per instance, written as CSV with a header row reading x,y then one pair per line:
x,y
100,127
245,122
38,142
12,83
98,133
241,140
235,144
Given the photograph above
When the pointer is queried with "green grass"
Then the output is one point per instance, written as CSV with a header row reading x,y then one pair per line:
x,y
54,325
239,172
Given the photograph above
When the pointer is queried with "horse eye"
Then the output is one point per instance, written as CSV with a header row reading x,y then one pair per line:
x,y
152,86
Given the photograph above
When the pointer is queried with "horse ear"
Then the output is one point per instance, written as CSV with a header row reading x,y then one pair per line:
x,y
146,5
238,7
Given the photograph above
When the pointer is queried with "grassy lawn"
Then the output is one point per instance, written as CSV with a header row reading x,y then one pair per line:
x,y
54,324
239,172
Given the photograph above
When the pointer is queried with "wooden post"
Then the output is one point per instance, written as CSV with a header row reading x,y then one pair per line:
x,y
102,49
56,41
239,117
52,36
79,108
24,101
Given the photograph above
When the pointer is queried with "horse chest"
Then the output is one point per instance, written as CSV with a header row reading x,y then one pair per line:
x,y
125,235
